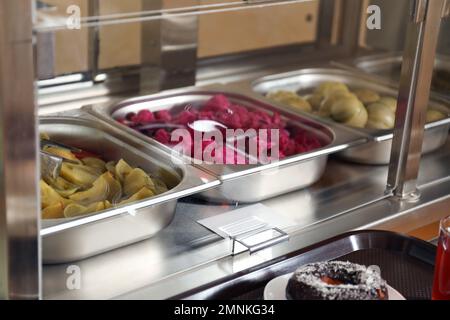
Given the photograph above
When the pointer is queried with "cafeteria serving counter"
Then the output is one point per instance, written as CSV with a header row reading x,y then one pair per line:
x,y
186,255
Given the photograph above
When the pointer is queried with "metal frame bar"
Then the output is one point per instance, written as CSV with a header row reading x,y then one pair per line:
x,y
325,23
151,50
94,40
413,98
169,49
350,15
350,25
20,267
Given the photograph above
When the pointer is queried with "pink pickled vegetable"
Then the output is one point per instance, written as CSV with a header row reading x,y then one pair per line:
x,y
219,108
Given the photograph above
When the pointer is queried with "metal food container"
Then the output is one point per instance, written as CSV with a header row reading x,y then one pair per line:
x,y
378,150
243,183
388,66
65,240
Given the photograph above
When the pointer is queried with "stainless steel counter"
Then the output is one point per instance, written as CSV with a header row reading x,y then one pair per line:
x,y
186,254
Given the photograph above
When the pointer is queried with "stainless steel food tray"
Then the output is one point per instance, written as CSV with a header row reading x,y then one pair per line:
x,y
243,183
65,240
388,66
406,263
378,150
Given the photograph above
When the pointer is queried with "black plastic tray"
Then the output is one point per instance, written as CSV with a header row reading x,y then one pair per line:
x,y
406,263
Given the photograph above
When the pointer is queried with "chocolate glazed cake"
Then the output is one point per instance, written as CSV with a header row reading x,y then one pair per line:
x,y
336,280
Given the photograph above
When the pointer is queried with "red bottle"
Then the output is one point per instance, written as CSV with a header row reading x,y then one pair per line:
x,y
441,285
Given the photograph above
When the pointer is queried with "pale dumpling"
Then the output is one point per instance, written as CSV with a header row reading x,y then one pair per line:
x,y
75,210
49,196
391,103
291,99
325,89
122,169
381,116
349,111
144,193
90,185
327,103
367,96
80,175
104,188
135,181
315,101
